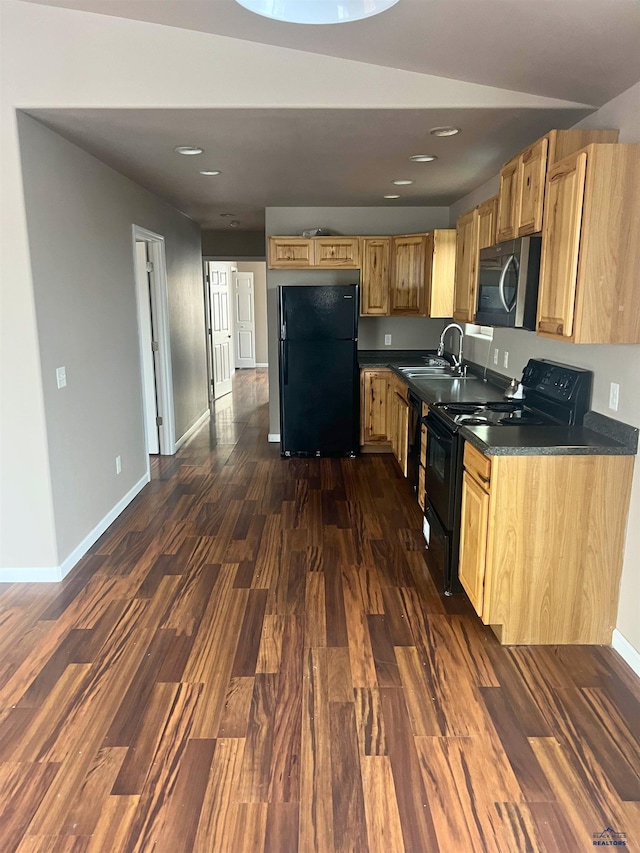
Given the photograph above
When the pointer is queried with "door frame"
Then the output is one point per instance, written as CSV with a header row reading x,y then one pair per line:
x,y
160,310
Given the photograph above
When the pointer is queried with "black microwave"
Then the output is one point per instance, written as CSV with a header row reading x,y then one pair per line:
x,y
508,275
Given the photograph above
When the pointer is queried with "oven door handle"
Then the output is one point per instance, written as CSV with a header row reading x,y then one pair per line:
x,y
503,275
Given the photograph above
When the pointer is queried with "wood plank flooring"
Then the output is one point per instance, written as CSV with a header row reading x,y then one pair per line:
x,y
254,658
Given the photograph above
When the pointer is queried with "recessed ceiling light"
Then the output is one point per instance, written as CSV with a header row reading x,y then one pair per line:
x,y
234,223
423,158
209,172
444,131
402,183
392,196
317,11
188,150
228,214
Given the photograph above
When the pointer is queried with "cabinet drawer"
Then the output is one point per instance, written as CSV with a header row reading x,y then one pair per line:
x,y
478,465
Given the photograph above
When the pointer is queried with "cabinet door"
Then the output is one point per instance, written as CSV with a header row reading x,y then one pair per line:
x,y
407,285
464,303
531,182
402,426
508,201
290,252
474,526
561,246
440,268
337,252
487,222
392,417
374,413
374,279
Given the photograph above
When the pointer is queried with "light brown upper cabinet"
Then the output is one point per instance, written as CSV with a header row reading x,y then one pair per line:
x,y
523,178
374,280
337,252
440,270
290,253
476,229
423,274
407,278
591,247
464,304
507,226
319,252
487,222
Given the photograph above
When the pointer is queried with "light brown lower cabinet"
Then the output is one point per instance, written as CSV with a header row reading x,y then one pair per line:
x,y
398,418
541,544
374,409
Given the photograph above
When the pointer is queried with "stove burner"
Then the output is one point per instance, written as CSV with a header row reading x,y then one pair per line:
x,y
502,407
462,408
472,421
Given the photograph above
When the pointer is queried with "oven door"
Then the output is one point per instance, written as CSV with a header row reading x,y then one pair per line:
x,y
438,549
440,470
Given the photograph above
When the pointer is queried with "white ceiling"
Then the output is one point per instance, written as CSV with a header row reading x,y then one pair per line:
x,y
585,51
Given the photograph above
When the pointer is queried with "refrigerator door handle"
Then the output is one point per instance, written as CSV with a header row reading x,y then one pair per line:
x,y
285,363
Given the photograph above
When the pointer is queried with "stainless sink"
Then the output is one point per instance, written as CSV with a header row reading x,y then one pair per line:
x,y
429,373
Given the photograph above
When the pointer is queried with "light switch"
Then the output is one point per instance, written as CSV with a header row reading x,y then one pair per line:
x,y
61,376
614,394
387,340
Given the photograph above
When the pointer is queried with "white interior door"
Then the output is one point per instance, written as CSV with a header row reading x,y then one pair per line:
x,y
221,336
244,320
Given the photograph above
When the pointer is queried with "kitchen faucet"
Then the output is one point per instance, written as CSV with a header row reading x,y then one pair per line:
x,y
457,362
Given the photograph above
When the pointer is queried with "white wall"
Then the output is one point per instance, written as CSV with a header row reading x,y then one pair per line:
x,y
79,219
620,363
407,333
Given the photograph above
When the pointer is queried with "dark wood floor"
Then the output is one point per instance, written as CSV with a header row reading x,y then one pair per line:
x,y
254,658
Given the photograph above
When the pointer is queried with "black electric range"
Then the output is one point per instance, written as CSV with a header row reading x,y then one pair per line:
x,y
553,394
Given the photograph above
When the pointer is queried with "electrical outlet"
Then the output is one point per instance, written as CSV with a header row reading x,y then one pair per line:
x,y
118,465
505,359
496,353
61,376
387,340
614,394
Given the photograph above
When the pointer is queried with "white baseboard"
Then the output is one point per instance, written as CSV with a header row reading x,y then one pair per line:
x,y
626,651
262,364
204,417
53,574
274,436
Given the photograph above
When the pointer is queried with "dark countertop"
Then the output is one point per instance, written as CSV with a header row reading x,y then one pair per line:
x,y
601,436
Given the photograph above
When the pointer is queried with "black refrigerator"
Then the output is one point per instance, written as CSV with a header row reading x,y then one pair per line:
x,y
319,387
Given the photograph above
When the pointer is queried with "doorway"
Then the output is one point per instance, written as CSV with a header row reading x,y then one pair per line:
x,y
155,345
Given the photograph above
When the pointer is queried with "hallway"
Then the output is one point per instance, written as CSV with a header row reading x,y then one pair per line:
x,y
254,658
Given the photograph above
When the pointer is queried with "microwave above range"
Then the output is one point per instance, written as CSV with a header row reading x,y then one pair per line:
x,y
508,275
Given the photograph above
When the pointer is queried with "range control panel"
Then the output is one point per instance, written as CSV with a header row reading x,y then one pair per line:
x,y
566,389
